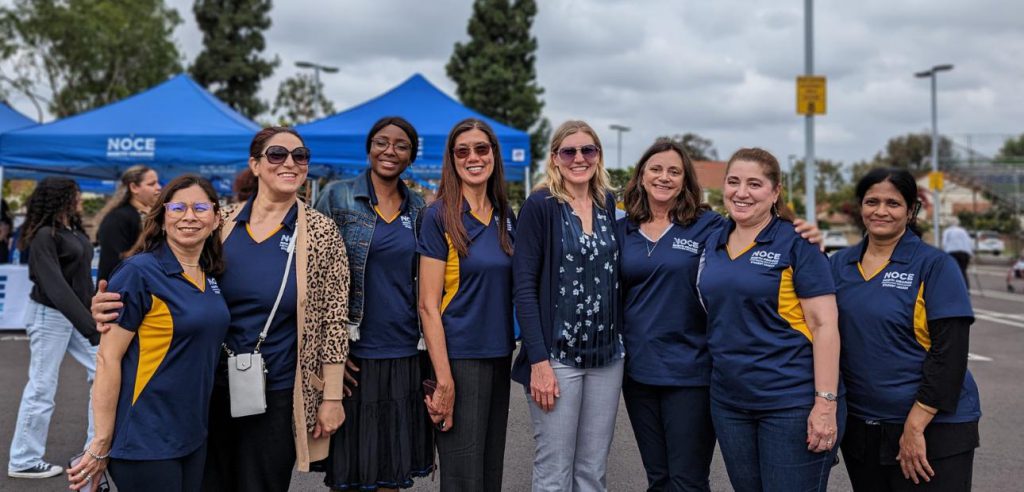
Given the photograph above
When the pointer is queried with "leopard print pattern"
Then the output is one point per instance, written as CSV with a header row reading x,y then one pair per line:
x,y
325,338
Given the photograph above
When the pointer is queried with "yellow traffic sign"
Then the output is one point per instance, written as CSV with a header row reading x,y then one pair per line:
x,y
935,180
810,95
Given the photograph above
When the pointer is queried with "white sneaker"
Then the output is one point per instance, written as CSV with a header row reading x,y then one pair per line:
x,y
42,470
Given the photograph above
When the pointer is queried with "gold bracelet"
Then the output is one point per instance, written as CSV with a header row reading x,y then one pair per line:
x,y
931,411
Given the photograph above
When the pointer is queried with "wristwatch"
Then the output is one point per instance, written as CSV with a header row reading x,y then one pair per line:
x,y
826,395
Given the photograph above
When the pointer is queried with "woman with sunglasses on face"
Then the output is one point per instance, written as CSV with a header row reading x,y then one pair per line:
x,y
387,439
904,318
306,343
773,337
154,370
59,267
465,306
567,302
121,219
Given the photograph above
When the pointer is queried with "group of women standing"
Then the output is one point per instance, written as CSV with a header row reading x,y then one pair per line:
x,y
713,328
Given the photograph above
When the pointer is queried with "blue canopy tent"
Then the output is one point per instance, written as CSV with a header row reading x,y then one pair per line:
x,y
340,140
11,119
174,127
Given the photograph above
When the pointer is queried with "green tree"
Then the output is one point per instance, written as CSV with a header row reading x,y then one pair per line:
x,y
1012,150
495,72
697,147
230,64
300,99
913,152
829,178
87,53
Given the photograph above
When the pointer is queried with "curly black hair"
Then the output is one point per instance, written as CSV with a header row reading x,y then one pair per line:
x,y
53,203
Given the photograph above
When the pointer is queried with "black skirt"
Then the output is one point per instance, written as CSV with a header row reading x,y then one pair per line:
x,y
387,438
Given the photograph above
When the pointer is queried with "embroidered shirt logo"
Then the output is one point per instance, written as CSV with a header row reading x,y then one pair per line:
x,y
902,281
406,222
765,258
213,285
685,244
285,239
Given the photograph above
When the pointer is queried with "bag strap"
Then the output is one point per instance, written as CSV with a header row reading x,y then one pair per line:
x,y
277,302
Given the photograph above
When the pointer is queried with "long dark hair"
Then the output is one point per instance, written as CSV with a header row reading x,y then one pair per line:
x,y
690,201
211,260
449,192
771,169
53,203
904,183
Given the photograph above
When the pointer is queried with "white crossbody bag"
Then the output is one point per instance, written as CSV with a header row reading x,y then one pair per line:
x,y
247,374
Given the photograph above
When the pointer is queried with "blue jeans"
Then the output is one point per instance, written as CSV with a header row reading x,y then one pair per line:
x,y
767,450
574,438
673,430
50,335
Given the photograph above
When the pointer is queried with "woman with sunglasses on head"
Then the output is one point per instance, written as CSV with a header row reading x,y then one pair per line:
x,y
904,318
304,345
59,266
772,336
465,306
121,218
154,370
567,302
387,439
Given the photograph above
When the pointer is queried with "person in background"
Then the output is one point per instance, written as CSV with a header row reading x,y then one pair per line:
x,y
905,319
958,243
387,439
1016,271
154,370
773,337
244,185
60,269
567,302
465,304
121,218
6,232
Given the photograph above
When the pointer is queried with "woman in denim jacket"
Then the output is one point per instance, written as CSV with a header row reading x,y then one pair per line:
x,y
388,439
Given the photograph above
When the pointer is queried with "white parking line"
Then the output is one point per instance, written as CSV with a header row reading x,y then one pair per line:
x,y
13,338
979,358
1015,320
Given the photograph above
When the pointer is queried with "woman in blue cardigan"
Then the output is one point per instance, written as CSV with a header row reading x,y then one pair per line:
x,y
567,302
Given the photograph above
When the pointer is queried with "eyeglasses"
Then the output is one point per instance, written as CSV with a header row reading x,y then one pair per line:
x,y
568,154
177,209
481,150
382,144
277,154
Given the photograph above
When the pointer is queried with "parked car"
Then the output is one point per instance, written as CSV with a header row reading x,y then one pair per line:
x,y
834,241
988,242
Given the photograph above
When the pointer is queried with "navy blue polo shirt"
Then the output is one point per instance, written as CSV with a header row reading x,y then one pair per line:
x,y
167,371
390,327
250,283
476,309
883,325
760,344
665,329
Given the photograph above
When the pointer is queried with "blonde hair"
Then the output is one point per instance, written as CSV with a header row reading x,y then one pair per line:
x,y
600,185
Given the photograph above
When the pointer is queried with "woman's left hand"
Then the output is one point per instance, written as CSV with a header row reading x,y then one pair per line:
x,y
821,426
329,418
87,469
810,232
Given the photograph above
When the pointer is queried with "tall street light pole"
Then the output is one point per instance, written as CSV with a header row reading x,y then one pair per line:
x,y
620,129
316,67
810,167
931,73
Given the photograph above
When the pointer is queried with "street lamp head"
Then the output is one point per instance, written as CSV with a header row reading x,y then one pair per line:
x,y
942,68
619,128
305,64
926,73
329,69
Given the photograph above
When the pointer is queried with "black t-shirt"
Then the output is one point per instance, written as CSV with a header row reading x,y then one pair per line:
x,y
118,232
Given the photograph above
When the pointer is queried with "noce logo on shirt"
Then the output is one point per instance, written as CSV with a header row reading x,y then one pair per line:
x,y
902,281
765,258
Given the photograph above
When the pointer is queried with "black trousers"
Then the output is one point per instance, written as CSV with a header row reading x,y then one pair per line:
x,y
177,475
869,452
472,453
674,433
254,453
962,260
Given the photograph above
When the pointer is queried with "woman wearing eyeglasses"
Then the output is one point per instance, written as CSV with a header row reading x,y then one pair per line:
x,y
387,439
465,306
306,343
154,370
567,301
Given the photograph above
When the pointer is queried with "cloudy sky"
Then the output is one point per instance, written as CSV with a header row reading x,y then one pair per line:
x,y
723,69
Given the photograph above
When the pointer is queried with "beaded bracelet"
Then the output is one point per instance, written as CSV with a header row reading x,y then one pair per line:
x,y
96,456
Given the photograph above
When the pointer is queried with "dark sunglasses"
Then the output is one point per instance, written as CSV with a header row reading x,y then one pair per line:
x,y
277,154
568,154
481,150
